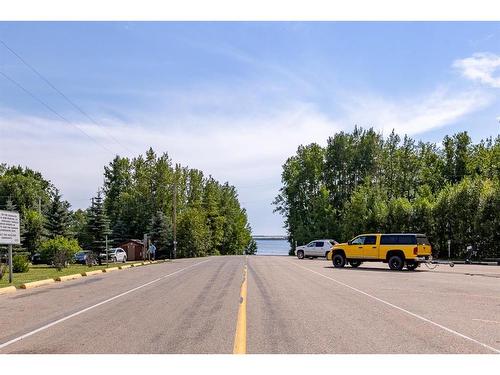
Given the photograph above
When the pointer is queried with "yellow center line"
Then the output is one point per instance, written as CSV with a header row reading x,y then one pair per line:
x,y
240,337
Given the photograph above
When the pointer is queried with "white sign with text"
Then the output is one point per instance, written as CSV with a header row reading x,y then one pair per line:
x,y
9,228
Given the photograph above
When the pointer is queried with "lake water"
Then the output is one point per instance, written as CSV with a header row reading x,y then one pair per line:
x,y
272,247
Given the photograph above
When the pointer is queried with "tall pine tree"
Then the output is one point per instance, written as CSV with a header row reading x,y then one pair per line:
x,y
98,225
58,217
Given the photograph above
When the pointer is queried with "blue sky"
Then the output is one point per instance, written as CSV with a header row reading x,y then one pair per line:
x,y
236,99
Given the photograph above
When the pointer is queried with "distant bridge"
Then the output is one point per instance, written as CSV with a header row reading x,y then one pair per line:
x,y
271,237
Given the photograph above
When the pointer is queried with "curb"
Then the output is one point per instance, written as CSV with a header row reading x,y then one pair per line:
x,y
90,273
111,269
36,284
68,277
7,289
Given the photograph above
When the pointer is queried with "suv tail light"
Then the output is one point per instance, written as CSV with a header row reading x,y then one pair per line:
x,y
415,250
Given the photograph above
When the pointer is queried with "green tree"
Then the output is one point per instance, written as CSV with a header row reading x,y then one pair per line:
x,y
32,230
192,234
161,234
399,215
78,222
98,225
58,217
27,189
139,199
487,220
59,250
251,248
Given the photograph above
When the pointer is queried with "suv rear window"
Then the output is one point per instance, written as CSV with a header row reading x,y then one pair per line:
x,y
398,239
423,240
319,244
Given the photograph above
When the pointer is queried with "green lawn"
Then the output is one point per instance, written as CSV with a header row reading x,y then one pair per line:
x,y
40,272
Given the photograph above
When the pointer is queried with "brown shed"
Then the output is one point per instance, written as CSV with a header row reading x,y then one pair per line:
x,y
133,248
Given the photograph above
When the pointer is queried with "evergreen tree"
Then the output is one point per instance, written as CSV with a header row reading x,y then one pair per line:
x,y
98,225
119,232
58,217
161,234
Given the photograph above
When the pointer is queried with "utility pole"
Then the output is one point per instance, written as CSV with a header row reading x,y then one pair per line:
x,y
10,264
39,205
174,216
145,246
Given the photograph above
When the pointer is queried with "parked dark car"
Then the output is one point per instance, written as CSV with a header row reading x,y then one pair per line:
x,y
83,257
38,259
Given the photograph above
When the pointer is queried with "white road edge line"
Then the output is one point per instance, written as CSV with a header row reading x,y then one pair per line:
x,y
403,310
10,342
486,320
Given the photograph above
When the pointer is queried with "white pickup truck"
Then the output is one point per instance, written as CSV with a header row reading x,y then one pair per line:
x,y
314,249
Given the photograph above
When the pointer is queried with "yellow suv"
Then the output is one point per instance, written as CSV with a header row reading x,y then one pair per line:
x,y
396,249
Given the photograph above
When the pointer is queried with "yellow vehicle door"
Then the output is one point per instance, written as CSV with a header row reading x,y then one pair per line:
x,y
355,247
370,247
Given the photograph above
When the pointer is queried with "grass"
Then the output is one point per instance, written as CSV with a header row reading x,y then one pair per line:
x,y
42,271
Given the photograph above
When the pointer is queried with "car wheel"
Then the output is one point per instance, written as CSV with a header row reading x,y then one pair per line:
x,y
355,263
338,260
396,263
300,254
124,259
411,266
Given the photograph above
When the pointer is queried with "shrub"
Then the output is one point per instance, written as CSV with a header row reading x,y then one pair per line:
x,y
252,247
20,264
59,251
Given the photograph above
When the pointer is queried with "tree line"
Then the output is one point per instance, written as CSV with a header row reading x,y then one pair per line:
x,y
138,197
363,182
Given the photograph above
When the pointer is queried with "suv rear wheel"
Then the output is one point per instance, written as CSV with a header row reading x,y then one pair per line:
x,y
355,263
396,263
300,254
412,266
338,260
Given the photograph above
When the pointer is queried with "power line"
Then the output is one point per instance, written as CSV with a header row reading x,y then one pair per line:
x,y
52,110
77,107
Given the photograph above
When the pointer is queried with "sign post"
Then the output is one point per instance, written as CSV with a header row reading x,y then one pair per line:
x,y
10,233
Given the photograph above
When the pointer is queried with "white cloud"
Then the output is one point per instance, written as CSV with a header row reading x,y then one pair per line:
x,y
248,152
413,115
239,135
481,67
247,149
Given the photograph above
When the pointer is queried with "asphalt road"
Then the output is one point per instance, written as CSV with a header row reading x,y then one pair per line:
x,y
292,306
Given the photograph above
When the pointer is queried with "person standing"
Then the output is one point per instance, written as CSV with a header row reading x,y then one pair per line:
x,y
152,251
